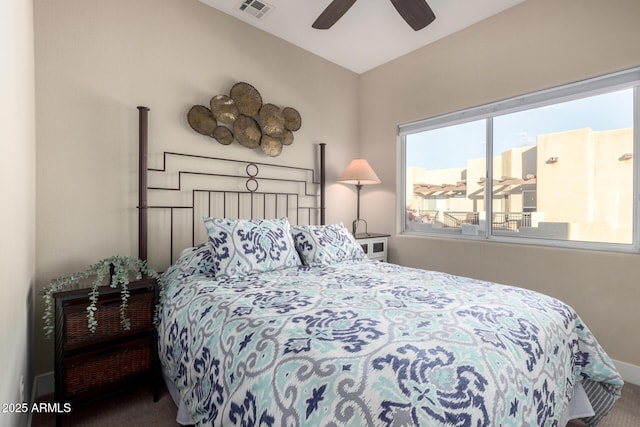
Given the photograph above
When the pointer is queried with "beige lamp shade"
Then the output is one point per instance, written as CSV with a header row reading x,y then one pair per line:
x,y
359,172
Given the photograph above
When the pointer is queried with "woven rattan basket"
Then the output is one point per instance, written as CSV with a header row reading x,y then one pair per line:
x,y
107,368
139,311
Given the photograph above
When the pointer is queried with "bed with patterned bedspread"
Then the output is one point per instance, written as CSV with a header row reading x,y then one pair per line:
x,y
345,341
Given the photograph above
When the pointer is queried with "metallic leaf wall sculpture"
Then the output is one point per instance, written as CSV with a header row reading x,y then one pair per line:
x,y
243,117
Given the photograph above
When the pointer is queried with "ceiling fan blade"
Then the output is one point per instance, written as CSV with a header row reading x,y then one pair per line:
x,y
332,13
417,13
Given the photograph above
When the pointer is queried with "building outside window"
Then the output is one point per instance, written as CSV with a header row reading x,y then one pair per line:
x,y
557,166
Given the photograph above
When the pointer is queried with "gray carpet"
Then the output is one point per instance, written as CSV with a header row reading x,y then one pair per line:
x,y
136,408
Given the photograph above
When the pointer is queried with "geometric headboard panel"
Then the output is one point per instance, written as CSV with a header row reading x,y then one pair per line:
x,y
188,187
175,197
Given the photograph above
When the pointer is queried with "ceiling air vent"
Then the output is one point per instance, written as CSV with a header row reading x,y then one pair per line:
x,y
255,8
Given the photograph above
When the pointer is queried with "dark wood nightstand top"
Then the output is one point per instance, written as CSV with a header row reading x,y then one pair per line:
x,y
370,235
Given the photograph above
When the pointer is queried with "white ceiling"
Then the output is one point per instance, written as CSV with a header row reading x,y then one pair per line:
x,y
369,34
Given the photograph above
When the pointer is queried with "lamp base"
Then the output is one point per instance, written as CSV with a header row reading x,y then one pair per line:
x,y
356,224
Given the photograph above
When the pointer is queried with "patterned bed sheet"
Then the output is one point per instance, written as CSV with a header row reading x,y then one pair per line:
x,y
367,343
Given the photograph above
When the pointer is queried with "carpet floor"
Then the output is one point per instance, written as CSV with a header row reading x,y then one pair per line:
x,y
136,407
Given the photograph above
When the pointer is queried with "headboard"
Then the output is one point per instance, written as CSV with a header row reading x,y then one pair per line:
x,y
173,198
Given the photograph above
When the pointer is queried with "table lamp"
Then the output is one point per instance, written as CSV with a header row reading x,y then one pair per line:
x,y
359,173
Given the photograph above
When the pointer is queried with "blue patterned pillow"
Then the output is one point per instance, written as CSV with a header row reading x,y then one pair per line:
x,y
325,244
241,247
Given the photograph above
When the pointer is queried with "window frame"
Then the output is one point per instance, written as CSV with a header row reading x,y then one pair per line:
x,y
577,90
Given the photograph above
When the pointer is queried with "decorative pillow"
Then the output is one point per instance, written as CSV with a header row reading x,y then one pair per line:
x,y
241,247
325,244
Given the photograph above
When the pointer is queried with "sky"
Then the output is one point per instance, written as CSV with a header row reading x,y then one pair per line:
x,y
450,147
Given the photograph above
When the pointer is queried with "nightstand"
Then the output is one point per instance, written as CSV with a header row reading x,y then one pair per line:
x,y
89,365
374,245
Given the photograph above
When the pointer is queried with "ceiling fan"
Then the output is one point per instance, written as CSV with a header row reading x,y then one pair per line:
x,y
417,13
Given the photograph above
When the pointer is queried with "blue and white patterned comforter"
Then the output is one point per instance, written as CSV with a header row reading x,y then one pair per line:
x,y
367,343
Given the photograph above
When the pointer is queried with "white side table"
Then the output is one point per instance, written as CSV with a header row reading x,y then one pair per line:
x,y
374,245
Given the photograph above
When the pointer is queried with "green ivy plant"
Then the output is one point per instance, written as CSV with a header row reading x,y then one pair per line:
x,y
119,267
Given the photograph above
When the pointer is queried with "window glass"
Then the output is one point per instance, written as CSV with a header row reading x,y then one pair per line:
x,y
565,171
555,166
443,167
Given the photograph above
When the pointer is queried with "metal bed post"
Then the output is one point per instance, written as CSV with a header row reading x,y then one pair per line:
x,y
322,182
143,138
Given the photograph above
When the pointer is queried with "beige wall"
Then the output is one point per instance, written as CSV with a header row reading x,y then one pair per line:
x,y
535,45
97,60
17,216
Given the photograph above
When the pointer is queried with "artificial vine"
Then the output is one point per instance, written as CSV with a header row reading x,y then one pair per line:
x,y
118,267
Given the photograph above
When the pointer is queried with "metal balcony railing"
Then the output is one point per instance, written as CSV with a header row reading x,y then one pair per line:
x,y
501,221
456,219
511,221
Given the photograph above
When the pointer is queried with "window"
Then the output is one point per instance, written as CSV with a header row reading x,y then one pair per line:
x,y
557,166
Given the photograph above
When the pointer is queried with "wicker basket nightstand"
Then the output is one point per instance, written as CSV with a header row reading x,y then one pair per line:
x,y
90,365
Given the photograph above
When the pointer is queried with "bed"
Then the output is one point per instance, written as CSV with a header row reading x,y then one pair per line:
x,y
275,322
